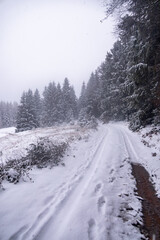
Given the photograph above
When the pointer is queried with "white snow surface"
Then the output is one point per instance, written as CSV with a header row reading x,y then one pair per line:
x,y
91,198
14,145
6,131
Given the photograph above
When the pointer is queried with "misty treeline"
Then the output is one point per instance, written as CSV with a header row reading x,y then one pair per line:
x,y
8,114
58,105
126,86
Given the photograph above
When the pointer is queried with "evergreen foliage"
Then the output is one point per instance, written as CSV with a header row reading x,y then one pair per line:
x,y
58,105
37,103
69,101
26,116
50,105
127,84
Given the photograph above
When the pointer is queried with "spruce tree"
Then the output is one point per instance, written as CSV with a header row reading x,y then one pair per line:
x,y
69,102
60,105
49,105
93,96
38,107
8,113
26,116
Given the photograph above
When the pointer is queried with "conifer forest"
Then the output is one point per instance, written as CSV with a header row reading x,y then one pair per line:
x,y
126,86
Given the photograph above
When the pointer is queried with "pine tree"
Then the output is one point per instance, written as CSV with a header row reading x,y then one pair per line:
x,y
22,124
8,112
129,86
105,72
82,98
141,54
60,105
93,95
73,102
69,101
82,106
26,116
49,105
38,107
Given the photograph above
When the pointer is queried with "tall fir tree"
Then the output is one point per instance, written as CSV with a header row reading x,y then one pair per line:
x,y
26,116
93,95
60,105
38,107
49,105
69,101
8,113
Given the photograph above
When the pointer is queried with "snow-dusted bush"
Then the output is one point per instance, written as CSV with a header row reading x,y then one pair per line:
x,y
136,122
93,123
42,154
104,117
14,170
88,121
46,153
156,119
83,118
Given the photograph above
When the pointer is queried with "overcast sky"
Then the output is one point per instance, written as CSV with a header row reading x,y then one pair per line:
x,y
47,40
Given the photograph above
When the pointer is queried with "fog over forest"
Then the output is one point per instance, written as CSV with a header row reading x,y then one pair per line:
x,y
44,41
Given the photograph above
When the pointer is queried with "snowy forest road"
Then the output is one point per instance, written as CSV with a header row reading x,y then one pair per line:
x,y
91,198
87,204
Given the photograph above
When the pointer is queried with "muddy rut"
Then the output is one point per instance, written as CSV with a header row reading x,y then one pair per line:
x,y
150,203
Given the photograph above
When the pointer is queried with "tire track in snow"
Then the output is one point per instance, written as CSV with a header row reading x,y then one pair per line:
x,y
92,229
130,148
76,194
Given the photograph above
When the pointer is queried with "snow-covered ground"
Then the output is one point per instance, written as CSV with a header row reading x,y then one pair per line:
x,y
91,198
14,145
6,131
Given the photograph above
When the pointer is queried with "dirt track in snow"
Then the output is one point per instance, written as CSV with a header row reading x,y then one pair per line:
x,y
150,203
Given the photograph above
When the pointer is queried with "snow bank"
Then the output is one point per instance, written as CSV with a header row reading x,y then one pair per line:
x,y
146,146
150,137
7,131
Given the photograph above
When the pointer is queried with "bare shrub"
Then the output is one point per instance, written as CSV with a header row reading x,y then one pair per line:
x,y
46,153
42,154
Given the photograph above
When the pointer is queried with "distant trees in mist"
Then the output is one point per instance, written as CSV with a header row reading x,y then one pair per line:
x,y
8,114
58,105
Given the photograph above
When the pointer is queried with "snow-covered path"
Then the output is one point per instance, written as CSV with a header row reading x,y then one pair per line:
x,y
91,198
